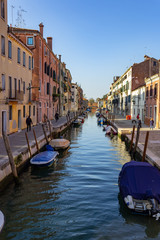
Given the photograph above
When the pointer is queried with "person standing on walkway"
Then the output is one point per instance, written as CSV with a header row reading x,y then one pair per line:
x,y
139,123
56,116
138,116
151,123
29,122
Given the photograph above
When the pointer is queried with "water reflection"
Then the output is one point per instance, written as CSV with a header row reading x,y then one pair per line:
x,y
78,197
152,227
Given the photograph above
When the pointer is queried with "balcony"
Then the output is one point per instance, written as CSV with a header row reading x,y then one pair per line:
x,y
15,95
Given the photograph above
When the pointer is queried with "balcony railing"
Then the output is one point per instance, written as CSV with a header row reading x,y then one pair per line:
x,y
15,95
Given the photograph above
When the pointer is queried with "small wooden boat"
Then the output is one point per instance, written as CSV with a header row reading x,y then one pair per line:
x,y
139,187
77,123
45,158
110,130
1,220
81,118
59,144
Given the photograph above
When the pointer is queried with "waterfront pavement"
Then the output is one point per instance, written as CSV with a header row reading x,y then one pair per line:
x,y
18,141
153,148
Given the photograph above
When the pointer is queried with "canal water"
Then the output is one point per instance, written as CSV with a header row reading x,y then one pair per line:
x,y
78,198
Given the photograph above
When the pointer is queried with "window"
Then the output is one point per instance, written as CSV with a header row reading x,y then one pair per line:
x,y
151,91
146,111
2,9
29,110
24,111
10,112
2,45
9,49
48,88
24,90
45,67
54,90
24,59
39,42
147,92
40,85
32,63
154,63
54,75
18,55
155,90
3,82
29,64
34,110
150,112
19,85
10,87
30,41
40,64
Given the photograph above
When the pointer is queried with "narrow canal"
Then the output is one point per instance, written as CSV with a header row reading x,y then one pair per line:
x,y
78,198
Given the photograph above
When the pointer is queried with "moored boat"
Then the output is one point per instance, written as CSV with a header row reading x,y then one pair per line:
x,y
45,158
77,122
59,144
139,186
1,220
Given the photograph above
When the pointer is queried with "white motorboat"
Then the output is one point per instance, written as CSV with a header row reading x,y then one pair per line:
x,y
1,220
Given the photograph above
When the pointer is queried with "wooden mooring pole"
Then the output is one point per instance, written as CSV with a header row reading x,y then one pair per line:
x,y
45,133
36,140
130,149
137,138
28,144
10,156
145,146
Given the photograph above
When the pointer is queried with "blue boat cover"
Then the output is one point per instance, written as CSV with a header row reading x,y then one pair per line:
x,y
44,157
140,180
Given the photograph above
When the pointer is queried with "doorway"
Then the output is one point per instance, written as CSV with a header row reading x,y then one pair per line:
x,y
19,119
155,115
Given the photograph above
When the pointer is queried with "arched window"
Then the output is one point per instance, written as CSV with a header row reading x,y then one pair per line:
x,y
54,90
45,67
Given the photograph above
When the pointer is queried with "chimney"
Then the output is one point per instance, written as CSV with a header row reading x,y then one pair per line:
x,y
146,57
41,28
49,41
60,58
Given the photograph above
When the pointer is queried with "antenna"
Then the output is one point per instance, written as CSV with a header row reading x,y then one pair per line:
x,y
12,14
20,21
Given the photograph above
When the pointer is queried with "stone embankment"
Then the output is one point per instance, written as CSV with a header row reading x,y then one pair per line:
x,y
125,128
19,146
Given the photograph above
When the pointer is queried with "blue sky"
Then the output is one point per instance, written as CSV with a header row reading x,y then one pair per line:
x,y
98,39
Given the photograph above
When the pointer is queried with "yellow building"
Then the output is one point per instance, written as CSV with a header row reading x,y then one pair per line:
x,y
15,81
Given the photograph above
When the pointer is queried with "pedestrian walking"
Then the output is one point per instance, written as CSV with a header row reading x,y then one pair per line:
x,y
29,122
139,123
138,116
151,123
56,116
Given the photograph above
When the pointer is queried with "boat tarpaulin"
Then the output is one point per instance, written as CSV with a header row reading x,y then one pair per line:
x,y
141,180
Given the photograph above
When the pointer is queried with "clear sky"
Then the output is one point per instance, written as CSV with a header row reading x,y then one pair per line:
x,y
98,39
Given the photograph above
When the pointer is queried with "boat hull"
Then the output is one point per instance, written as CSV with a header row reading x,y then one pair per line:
x,y
44,159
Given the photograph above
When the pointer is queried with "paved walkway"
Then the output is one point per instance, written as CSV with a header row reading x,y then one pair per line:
x,y
18,141
153,148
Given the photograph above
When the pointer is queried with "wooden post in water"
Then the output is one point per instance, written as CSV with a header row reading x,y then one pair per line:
x,y
28,144
130,149
10,156
45,133
50,129
137,138
145,146
36,140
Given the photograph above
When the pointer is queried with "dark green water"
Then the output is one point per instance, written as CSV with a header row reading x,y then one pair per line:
x,y
78,198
